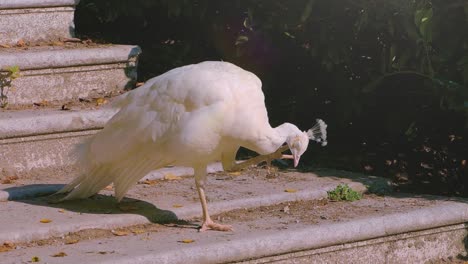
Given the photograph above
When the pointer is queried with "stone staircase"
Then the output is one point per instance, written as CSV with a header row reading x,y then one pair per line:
x,y
56,69
57,102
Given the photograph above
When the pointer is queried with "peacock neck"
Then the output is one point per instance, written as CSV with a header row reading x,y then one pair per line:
x,y
274,138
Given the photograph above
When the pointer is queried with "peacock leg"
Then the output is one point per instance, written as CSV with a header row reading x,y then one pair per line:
x,y
200,181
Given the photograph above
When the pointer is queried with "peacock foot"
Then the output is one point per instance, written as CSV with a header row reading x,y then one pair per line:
x,y
210,225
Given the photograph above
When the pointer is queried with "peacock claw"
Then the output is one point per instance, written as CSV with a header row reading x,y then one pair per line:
x,y
210,225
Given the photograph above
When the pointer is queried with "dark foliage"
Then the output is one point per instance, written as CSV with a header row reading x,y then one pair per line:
x,y
390,77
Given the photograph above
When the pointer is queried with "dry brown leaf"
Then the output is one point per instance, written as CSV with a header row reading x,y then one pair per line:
x,y
138,231
138,84
187,241
234,173
59,255
5,46
7,246
177,205
108,188
120,232
100,101
61,211
149,182
170,177
70,241
42,103
20,43
290,190
45,220
57,43
9,179
65,107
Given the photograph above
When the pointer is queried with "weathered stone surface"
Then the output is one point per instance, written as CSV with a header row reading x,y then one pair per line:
x,y
35,20
57,73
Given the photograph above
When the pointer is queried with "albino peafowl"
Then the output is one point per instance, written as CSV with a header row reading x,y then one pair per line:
x,y
189,116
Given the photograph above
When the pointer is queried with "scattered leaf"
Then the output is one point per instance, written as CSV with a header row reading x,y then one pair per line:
x,y
108,188
45,220
9,179
290,190
5,46
138,84
100,101
71,40
61,211
234,173
86,100
65,107
21,43
177,205
35,259
169,176
57,43
120,233
70,241
149,182
241,40
187,241
289,35
7,246
41,103
59,255
138,231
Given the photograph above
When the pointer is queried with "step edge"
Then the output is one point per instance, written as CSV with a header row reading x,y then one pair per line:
x,y
19,4
33,59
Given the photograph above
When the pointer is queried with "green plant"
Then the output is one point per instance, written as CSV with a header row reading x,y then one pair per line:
x,y
343,192
6,78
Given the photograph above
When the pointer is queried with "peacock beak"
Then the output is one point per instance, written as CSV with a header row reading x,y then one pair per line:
x,y
296,158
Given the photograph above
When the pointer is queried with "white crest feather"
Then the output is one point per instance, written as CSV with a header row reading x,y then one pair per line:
x,y
318,132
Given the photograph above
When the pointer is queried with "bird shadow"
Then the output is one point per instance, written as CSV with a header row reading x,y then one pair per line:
x,y
98,204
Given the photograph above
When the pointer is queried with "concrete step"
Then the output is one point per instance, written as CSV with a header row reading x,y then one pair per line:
x,y
41,139
61,73
36,20
270,225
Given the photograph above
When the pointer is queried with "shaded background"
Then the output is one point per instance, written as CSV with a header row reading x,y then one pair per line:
x,y
389,77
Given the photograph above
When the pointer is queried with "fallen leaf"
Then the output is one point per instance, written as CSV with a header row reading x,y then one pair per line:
x,y
71,40
41,103
149,182
177,205
35,259
45,220
5,46
9,179
290,190
187,241
138,84
234,173
138,231
100,101
20,43
169,176
57,43
61,211
65,107
70,241
119,232
108,188
7,246
59,255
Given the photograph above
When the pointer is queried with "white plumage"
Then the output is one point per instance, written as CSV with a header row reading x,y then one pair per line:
x,y
189,116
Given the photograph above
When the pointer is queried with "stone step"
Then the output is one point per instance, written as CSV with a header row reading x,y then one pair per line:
x,y
60,73
36,20
396,228
33,140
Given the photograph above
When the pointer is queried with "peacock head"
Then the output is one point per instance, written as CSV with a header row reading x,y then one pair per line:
x,y
298,141
298,145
